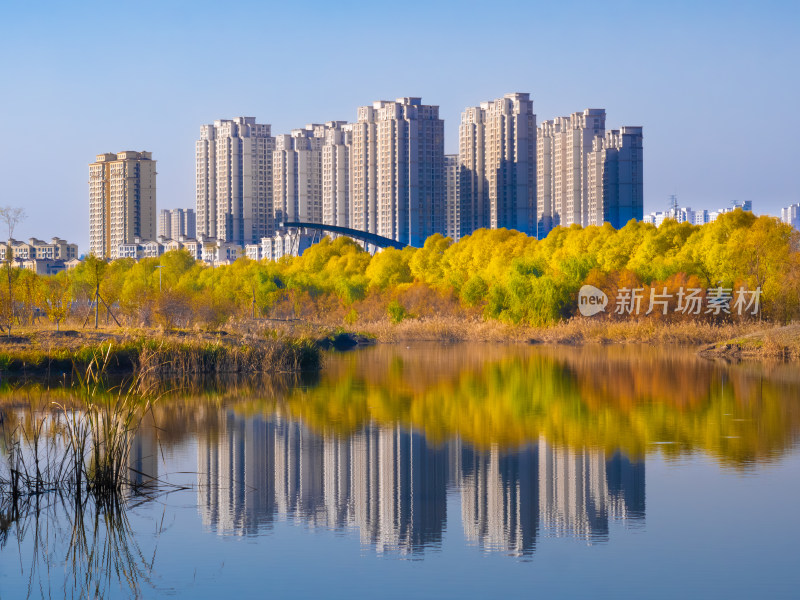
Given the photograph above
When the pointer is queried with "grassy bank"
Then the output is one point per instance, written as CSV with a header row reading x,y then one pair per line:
x,y
296,345
575,331
157,352
771,342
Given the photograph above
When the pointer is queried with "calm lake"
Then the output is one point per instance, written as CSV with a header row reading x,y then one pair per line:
x,y
445,471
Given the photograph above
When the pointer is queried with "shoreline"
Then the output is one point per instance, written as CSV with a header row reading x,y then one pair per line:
x,y
154,352
775,343
298,346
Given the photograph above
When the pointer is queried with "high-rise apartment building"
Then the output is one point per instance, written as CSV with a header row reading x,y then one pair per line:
x,y
234,181
562,148
473,213
452,208
364,171
397,170
586,176
297,175
497,154
336,173
615,178
791,215
177,223
122,201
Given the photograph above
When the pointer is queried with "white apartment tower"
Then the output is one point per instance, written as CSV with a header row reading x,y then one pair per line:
x,y
791,215
336,173
615,179
397,170
563,146
234,181
497,152
122,201
364,171
297,175
473,213
452,206
177,223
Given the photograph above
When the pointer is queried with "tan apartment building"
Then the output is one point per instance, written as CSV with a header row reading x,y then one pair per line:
x,y
497,155
397,170
616,178
122,201
336,173
563,146
36,249
452,208
472,166
234,181
297,175
586,175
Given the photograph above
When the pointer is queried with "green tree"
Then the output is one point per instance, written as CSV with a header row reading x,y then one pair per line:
x,y
56,298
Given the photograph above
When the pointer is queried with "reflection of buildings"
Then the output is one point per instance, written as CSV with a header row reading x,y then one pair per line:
x,y
387,482
392,486
581,489
505,497
235,490
143,457
499,499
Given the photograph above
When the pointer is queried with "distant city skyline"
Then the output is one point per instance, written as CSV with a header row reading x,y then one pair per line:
x,y
709,83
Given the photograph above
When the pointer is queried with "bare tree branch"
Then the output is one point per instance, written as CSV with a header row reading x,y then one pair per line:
x,y
11,216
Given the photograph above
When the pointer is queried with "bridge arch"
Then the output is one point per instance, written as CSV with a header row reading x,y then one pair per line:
x,y
370,238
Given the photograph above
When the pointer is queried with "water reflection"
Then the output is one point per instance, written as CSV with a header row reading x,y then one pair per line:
x,y
391,485
388,483
607,397
70,548
535,441
421,450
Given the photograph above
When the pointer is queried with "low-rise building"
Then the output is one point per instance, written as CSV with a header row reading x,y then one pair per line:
x,y
34,248
695,217
44,266
286,242
218,252
207,249
132,250
253,251
171,245
193,246
152,249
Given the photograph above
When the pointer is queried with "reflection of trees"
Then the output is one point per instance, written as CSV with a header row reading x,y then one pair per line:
x,y
604,397
598,397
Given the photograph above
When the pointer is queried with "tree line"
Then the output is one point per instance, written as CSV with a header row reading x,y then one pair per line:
x,y
494,274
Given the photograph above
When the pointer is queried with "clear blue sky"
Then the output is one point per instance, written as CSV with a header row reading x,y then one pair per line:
x,y
716,85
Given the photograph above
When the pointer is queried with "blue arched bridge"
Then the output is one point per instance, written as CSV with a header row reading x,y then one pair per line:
x,y
370,238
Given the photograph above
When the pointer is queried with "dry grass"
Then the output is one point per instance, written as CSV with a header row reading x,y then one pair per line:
x,y
160,352
575,331
586,330
782,343
445,329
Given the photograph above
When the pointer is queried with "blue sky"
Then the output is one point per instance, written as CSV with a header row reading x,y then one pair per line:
x,y
716,85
